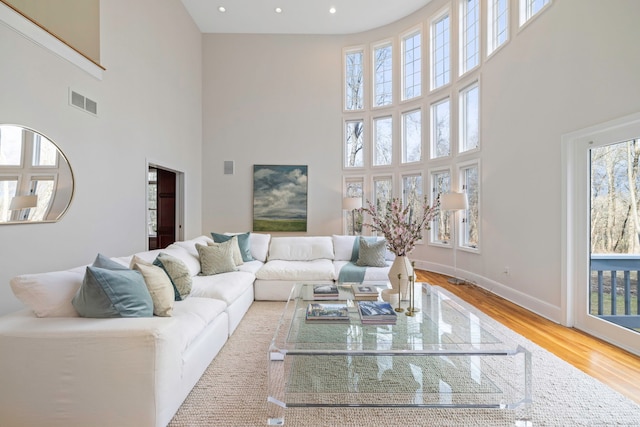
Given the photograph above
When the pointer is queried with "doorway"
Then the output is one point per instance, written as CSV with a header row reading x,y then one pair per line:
x,y
602,242
164,212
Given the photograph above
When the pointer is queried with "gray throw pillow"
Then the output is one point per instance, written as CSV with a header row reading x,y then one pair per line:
x,y
371,254
216,258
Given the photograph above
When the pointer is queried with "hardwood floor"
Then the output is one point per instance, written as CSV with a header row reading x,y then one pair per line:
x,y
609,364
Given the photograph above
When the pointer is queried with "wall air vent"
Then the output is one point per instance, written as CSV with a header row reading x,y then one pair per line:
x,y
83,103
228,167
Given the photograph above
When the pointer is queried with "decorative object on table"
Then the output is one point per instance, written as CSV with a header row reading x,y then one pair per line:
x,y
454,202
352,204
376,313
325,292
327,312
365,292
402,228
279,198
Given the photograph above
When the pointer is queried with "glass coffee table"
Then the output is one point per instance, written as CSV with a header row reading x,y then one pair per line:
x,y
443,356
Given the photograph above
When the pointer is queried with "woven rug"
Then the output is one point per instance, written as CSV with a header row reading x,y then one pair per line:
x,y
233,391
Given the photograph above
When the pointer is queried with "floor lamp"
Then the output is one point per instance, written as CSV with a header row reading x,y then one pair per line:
x,y
351,204
454,202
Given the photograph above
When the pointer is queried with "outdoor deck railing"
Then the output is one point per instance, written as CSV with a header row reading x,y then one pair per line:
x,y
616,276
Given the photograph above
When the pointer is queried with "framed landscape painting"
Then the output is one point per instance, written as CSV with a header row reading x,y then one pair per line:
x,y
279,198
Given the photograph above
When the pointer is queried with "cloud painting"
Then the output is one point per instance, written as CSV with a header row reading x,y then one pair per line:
x,y
279,198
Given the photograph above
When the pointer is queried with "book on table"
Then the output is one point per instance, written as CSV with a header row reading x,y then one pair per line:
x,y
365,292
377,312
328,312
325,291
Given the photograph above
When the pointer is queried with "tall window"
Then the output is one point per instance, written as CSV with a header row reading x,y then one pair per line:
x,y
382,191
412,136
382,75
354,187
440,129
412,65
469,118
470,184
440,184
383,141
412,191
497,24
469,35
354,156
530,8
440,51
354,80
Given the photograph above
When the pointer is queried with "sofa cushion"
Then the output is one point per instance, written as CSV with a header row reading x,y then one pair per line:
x,y
159,286
244,243
178,273
49,294
371,254
235,246
216,258
225,286
193,315
112,290
259,246
315,270
189,257
301,248
343,247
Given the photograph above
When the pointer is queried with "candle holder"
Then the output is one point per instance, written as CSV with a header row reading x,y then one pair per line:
x,y
399,309
411,310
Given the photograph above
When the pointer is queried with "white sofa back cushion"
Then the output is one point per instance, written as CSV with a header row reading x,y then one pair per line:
x,y
343,247
49,294
259,246
301,248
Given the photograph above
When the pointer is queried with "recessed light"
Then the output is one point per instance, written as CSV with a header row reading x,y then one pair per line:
x,y
222,9
332,10
278,10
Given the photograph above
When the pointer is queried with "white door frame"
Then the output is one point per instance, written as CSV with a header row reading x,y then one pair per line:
x,y
575,225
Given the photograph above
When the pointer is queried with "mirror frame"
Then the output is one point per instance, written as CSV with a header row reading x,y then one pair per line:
x,y
61,158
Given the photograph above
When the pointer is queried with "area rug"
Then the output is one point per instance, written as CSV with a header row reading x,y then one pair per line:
x,y
233,391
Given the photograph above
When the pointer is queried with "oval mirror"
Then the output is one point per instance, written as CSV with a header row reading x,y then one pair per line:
x,y
36,181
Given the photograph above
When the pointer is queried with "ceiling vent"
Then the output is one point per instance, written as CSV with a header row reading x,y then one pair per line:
x,y
83,103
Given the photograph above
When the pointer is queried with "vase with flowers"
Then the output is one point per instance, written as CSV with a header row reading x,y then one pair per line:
x,y
402,227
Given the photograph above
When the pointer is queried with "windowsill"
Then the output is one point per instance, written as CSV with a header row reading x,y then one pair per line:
x,y
40,36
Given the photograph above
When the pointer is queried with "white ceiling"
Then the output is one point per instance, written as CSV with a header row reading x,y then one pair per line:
x,y
298,16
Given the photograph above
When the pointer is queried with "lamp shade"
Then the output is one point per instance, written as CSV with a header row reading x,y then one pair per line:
x,y
23,202
454,201
351,203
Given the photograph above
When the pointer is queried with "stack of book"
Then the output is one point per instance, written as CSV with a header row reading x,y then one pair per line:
x,y
365,292
376,313
323,292
326,312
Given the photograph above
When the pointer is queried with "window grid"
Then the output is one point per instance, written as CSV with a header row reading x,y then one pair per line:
x,y
354,149
354,80
469,118
383,141
441,229
470,35
382,192
412,62
440,129
354,187
383,76
412,136
498,24
412,191
530,8
470,218
440,52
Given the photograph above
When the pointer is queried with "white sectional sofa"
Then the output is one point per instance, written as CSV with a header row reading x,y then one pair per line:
x,y
59,369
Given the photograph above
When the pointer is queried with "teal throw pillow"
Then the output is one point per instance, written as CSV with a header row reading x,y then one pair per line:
x,y
371,254
110,289
243,243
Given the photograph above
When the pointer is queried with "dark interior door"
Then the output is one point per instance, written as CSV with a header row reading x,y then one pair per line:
x,y
166,209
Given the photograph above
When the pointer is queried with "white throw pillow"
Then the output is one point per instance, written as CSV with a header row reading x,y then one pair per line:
x,y
49,294
343,247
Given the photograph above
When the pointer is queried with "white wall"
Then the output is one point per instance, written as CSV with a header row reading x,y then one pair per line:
x,y
277,99
149,108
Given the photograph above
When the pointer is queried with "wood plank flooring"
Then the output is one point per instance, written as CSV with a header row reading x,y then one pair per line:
x,y
609,364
